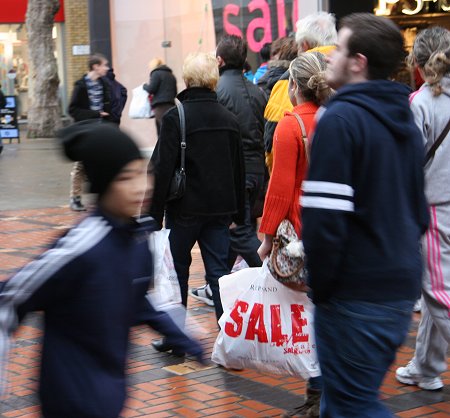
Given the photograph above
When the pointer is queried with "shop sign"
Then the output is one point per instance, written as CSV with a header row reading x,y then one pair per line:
x,y
385,7
14,11
81,49
257,21
9,127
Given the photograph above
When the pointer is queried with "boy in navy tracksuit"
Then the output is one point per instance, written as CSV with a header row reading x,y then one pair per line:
x,y
92,284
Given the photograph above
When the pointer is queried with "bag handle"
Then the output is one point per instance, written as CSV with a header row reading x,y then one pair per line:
x,y
182,118
435,146
275,248
304,136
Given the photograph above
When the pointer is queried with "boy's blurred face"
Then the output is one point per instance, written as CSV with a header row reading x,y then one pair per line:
x,y
127,192
102,68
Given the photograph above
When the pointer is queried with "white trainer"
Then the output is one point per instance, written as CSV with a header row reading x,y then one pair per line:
x,y
203,294
410,375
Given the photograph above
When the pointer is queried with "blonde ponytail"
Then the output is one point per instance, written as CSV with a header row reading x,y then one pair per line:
x,y
308,71
436,68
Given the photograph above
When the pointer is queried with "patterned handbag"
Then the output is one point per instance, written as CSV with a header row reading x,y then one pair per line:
x,y
287,259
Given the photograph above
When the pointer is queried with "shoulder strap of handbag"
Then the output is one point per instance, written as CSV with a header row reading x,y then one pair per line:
x,y
435,146
183,133
304,136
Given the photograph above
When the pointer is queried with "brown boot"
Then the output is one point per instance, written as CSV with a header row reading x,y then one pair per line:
x,y
311,407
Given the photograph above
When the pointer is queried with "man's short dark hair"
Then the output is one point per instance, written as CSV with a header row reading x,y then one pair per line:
x,y
96,59
265,52
378,39
233,51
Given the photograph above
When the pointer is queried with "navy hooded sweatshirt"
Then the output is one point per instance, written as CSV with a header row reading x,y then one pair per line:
x,y
92,288
364,207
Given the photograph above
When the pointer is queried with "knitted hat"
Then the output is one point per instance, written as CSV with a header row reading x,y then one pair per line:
x,y
102,148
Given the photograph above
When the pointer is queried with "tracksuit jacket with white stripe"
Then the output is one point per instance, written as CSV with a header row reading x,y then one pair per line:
x,y
364,208
91,286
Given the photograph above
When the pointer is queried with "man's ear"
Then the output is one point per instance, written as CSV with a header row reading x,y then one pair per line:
x,y
220,61
359,64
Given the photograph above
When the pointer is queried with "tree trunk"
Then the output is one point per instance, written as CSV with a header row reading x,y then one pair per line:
x,y
44,115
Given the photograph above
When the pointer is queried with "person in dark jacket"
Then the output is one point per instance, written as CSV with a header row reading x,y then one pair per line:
x,y
118,96
283,51
215,183
364,212
247,102
162,87
92,284
2,105
2,98
90,100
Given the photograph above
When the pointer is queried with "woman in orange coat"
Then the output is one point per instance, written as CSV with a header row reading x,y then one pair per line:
x,y
307,92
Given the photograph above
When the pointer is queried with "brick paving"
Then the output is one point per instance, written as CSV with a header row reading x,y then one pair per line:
x,y
154,389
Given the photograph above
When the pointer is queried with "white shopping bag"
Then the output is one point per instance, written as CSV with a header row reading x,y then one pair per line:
x,y
266,326
140,104
166,289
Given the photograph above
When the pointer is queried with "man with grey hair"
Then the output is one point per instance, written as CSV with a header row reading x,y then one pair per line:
x,y
315,32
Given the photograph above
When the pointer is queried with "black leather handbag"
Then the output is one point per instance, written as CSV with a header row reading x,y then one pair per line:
x,y
178,183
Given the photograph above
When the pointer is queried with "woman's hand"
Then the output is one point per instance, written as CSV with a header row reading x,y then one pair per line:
x,y
266,247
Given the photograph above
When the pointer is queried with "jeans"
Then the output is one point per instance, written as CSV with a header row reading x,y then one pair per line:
x,y
244,240
213,237
356,344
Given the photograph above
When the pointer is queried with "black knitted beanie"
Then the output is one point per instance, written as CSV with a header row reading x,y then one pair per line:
x,y
102,148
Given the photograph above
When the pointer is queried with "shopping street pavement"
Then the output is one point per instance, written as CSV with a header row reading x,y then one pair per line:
x,y
33,210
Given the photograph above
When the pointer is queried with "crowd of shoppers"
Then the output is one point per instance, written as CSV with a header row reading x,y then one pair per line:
x,y
345,147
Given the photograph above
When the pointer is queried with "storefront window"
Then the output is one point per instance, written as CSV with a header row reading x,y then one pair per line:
x,y
14,63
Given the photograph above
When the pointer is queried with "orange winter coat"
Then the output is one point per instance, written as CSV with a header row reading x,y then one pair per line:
x,y
289,170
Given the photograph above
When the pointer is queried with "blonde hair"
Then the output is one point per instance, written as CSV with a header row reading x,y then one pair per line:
x,y
436,68
431,52
154,63
201,70
308,71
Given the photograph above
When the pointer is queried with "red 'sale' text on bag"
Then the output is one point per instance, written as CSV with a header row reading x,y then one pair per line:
x,y
257,328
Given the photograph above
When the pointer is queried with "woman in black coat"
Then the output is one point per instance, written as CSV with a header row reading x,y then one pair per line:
x,y
215,177
162,86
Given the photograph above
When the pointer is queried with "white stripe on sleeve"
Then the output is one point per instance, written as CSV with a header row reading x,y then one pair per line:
x,y
318,202
327,187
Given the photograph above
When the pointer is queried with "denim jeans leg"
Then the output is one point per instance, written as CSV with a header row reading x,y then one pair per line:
x,y
244,239
183,235
214,243
356,344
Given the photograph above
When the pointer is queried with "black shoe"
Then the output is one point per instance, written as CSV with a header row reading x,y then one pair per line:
x,y
162,346
76,205
311,407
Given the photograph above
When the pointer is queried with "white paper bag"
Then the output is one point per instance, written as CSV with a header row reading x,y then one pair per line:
x,y
265,326
140,104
